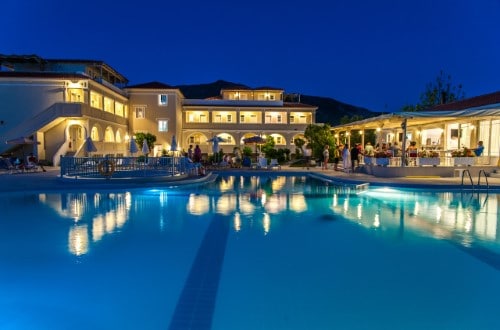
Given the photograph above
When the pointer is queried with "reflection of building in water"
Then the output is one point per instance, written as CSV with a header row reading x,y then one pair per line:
x,y
462,217
78,240
104,213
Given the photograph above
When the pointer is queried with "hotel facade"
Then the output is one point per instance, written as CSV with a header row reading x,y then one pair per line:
x,y
51,106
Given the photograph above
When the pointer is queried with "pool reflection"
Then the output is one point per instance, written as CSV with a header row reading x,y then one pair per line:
x,y
263,202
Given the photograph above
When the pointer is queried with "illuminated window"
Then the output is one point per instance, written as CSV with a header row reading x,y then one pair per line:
x,y
140,112
195,139
108,105
162,125
163,99
75,95
119,109
95,100
274,117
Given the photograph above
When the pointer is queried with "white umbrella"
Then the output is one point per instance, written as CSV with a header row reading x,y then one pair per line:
x,y
215,146
173,145
145,147
89,145
133,146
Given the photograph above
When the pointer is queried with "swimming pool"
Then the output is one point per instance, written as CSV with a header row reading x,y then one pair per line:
x,y
250,252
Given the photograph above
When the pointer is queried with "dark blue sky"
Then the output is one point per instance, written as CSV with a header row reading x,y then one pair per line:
x,y
375,54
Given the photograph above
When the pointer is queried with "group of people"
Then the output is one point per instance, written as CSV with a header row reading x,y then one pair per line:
x,y
352,157
356,153
342,152
194,154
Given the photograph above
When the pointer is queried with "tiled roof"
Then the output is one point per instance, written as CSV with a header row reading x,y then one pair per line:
x,y
152,85
267,88
298,105
243,87
473,102
57,75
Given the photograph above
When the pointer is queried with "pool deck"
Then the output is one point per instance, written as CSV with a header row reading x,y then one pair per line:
x,y
51,180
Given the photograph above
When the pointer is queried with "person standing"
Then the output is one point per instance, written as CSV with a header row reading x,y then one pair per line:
x,y
336,157
197,154
190,152
346,158
307,156
354,157
326,156
369,151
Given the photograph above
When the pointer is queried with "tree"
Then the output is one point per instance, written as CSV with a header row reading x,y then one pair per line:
x,y
319,136
299,143
150,138
440,91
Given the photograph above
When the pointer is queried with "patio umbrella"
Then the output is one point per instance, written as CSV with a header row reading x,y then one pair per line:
x,y
145,147
89,145
133,146
256,139
22,140
173,145
215,146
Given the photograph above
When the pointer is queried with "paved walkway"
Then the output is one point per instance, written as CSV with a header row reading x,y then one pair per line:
x,y
51,180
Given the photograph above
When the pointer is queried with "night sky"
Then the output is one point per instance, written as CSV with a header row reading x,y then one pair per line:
x,y
376,54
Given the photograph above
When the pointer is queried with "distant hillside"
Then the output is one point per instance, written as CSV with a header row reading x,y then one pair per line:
x,y
329,110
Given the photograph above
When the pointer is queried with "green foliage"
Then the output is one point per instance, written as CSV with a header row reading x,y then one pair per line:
x,y
299,143
440,91
319,136
247,151
150,138
269,145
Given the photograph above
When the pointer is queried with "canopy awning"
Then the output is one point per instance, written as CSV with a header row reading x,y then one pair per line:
x,y
394,120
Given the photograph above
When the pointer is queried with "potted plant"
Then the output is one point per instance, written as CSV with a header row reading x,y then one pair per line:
x,y
428,157
463,156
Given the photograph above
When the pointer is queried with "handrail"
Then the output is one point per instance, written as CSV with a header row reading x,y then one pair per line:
x,y
485,178
470,178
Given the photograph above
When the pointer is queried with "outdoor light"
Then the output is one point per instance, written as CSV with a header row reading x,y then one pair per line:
x,y
378,129
360,132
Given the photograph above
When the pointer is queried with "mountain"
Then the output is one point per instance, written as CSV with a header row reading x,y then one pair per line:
x,y
329,111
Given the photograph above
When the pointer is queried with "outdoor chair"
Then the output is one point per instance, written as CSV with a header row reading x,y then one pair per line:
x,y
274,165
262,162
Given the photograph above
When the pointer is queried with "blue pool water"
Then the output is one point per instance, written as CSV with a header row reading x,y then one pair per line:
x,y
250,252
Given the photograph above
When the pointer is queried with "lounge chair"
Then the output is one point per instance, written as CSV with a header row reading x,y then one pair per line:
x,y
262,162
274,165
6,164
